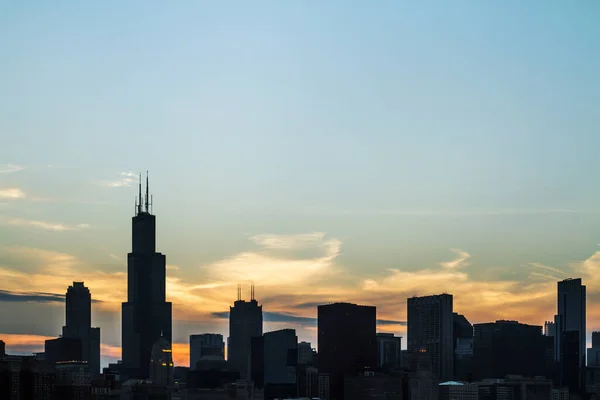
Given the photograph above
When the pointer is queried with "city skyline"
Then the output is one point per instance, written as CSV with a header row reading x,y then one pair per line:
x,y
324,154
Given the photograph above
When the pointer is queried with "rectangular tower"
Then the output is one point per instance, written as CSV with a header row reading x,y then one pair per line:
x,y
79,325
572,317
206,344
347,343
245,322
146,314
430,330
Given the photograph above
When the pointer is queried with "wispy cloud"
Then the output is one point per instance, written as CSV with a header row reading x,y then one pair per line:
x,y
8,168
49,226
11,193
126,179
33,297
442,213
458,262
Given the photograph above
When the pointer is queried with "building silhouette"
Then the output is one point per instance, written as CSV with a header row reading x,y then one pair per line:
x,y
463,348
79,325
347,344
146,315
504,348
571,316
280,361
430,328
245,322
389,349
306,353
161,363
206,344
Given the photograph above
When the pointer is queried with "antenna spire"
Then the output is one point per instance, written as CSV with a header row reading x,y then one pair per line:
x,y
147,196
139,205
251,290
239,292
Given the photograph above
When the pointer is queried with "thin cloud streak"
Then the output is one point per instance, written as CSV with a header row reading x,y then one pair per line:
x,y
49,226
127,179
11,193
10,168
438,213
459,262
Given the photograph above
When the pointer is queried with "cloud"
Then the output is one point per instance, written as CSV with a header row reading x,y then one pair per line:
x,y
296,319
8,168
49,226
35,297
440,213
11,193
126,179
459,262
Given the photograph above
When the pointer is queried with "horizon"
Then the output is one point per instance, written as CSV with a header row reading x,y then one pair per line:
x,y
326,152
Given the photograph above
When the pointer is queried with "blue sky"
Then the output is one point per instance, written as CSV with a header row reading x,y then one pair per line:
x,y
401,130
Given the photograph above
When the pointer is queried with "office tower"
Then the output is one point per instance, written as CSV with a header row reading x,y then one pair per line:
x,y
206,345
257,361
430,329
508,347
593,353
306,354
571,316
146,314
2,348
245,322
280,360
79,325
24,377
388,351
73,380
458,391
347,344
161,363
549,328
463,347
63,349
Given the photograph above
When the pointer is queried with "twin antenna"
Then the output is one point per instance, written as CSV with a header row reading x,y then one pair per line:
x,y
139,200
239,291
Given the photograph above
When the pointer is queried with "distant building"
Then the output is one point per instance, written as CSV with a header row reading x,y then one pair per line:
x,y
516,387
431,328
307,380
571,316
593,353
73,380
389,349
306,354
63,349
79,325
206,344
508,347
347,343
280,360
24,377
146,315
161,363
458,391
371,385
2,348
245,322
422,381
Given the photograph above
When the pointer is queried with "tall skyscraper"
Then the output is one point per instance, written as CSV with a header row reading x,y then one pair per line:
x,y
280,361
347,343
430,329
245,322
571,316
79,325
206,344
389,349
146,314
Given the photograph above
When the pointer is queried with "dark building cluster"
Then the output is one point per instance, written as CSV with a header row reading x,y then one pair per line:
x,y
446,357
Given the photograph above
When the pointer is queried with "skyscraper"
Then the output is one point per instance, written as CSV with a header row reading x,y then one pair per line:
x,y
79,325
245,322
146,314
206,344
161,363
347,343
571,317
430,329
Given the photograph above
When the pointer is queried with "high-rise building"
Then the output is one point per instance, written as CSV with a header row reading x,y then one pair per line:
x,y
2,348
463,347
508,347
161,363
146,314
306,354
280,361
571,316
593,353
63,349
79,325
389,349
430,329
206,344
245,322
347,343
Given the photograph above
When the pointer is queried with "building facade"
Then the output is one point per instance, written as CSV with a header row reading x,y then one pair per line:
x,y
146,315
389,348
206,344
347,341
245,322
430,329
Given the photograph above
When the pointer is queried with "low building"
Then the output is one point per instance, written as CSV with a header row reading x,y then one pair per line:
x,y
458,391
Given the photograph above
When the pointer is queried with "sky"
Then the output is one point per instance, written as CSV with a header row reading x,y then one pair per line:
x,y
325,150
